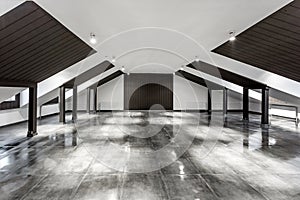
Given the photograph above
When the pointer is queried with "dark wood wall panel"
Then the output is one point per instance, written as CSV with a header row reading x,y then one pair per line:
x,y
5,105
273,44
143,91
34,45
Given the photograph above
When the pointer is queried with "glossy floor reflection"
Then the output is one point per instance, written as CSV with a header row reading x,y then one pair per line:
x,y
114,156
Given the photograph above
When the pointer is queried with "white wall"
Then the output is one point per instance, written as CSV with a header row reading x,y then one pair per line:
x,y
188,95
8,92
12,116
111,95
81,101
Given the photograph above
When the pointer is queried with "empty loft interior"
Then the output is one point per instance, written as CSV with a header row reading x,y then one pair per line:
x,y
149,100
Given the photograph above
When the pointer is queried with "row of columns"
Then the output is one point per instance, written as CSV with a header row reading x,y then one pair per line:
x,y
225,102
32,107
264,105
62,103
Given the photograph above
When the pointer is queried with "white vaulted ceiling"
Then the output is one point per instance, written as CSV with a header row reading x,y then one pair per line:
x,y
162,35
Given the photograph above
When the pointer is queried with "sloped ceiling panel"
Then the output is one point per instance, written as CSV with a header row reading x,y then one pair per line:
x,y
199,80
35,46
95,71
273,44
110,77
225,75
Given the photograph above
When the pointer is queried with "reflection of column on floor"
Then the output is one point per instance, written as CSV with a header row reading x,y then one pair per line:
x,y
246,136
74,111
62,104
74,139
265,138
32,111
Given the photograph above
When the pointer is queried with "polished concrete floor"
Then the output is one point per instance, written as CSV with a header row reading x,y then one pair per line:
x,y
156,155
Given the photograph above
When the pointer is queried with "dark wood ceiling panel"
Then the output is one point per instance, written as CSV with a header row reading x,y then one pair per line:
x,y
74,57
32,50
52,51
198,80
263,55
226,75
273,44
13,17
91,73
256,62
34,45
23,23
110,77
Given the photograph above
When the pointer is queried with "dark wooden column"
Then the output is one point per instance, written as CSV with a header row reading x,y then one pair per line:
x,y
32,111
62,104
209,94
74,111
95,100
88,100
225,102
245,104
265,107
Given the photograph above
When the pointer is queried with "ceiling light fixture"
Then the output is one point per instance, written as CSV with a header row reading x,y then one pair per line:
x,y
123,69
93,39
181,68
197,59
232,36
113,59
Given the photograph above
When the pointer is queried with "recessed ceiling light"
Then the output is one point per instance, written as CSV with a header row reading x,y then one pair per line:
x,y
93,39
197,59
123,68
181,68
232,36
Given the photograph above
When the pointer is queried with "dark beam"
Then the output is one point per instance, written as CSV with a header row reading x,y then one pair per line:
x,y
62,104
32,112
265,107
8,83
245,104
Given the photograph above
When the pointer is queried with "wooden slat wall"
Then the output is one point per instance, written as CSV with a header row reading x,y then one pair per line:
x,y
35,46
273,44
141,91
